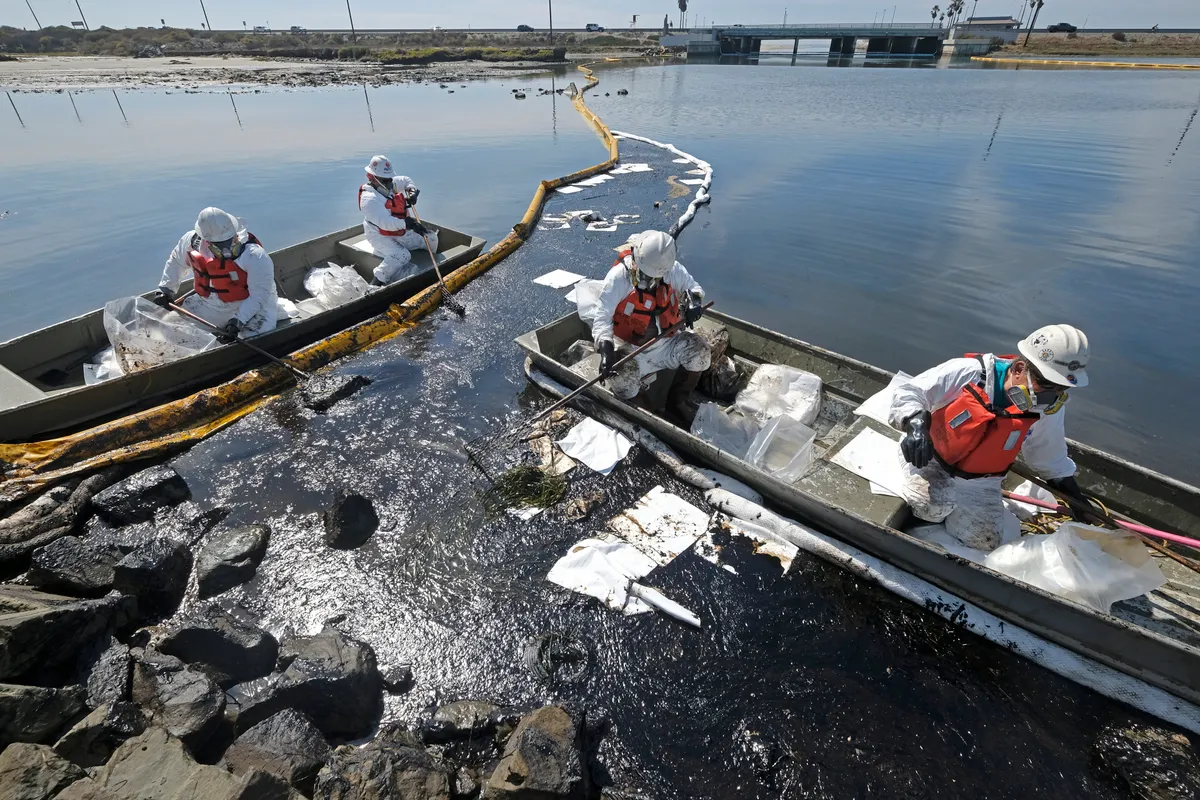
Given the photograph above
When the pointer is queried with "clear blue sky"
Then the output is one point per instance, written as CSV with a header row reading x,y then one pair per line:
x,y
567,13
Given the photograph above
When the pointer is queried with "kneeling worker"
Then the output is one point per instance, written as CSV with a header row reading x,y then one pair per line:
x,y
233,277
966,421
384,201
641,299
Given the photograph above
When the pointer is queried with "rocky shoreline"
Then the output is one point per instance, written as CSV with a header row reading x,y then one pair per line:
x,y
62,73
106,695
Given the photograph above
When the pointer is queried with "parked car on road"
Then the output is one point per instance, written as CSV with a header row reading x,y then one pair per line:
x,y
1062,27
298,29
594,28
525,28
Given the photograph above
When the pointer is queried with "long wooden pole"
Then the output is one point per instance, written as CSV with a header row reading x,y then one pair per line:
x,y
353,35
81,16
447,298
203,9
551,4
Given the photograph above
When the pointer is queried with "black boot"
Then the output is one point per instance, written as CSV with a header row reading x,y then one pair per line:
x,y
678,401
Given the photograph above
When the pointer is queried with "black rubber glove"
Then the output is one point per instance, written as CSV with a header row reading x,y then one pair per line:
x,y
163,297
608,357
695,309
916,445
1070,488
229,333
413,194
416,227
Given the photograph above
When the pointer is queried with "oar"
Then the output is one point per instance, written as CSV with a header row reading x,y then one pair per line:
x,y
300,374
613,369
447,298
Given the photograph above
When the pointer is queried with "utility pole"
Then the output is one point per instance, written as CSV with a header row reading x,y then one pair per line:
x,y
550,3
81,16
785,16
35,19
206,22
353,35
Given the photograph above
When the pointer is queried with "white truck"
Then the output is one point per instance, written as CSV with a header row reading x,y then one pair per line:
x,y
594,28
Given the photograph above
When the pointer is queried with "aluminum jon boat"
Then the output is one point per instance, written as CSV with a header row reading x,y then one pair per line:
x,y
42,387
1154,637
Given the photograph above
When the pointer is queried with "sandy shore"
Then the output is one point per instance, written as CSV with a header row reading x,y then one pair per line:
x,y
54,73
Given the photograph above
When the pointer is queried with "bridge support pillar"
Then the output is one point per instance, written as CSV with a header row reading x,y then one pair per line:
x,y
878,46
928,46
843,46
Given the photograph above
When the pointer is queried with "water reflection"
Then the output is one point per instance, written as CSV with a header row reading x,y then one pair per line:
x,y
14,108
119,106
74,108
370,114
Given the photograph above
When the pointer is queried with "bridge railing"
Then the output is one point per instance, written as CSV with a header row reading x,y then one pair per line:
x,y
914,26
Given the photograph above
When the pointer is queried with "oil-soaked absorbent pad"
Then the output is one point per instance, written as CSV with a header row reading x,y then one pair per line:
x,y
873,456
558,279
660,524
595,445
651,534
604,570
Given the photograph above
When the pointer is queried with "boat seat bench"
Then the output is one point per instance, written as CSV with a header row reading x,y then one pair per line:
x,y
357,251
15,390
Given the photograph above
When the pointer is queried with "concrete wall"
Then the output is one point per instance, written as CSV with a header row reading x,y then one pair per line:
x,y
1007,35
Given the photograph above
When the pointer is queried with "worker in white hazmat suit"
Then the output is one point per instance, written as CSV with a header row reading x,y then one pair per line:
x,y
233,277
966,421
646,293
385,200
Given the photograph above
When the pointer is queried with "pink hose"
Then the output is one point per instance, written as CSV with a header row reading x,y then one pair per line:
x,y
1133,526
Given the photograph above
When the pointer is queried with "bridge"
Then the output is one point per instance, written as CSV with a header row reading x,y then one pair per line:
x,y
882,39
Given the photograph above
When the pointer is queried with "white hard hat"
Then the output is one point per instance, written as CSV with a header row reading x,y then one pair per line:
x,y
381,168
215,225
1058,352
654,253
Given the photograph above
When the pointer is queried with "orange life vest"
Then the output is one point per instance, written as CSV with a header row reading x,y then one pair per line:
x,y
397,204
220,276
632,321
975,437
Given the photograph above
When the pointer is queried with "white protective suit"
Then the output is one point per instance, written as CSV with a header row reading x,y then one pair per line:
x,y
973,509
396,251
686,349
258,313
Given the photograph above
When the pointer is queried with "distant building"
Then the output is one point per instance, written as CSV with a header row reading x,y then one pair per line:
x,y
1004,28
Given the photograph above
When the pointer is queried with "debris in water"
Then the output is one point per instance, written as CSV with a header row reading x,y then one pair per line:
x,y
580,507
322,392
524,486
1152,762
558,658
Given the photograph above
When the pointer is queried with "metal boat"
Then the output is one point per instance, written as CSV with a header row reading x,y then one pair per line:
x,y
1155,637
42,387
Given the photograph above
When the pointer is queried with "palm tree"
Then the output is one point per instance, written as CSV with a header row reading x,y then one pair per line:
x,y
1036,5
933,14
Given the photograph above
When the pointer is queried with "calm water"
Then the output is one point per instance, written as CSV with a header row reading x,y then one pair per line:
x,y
901,216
